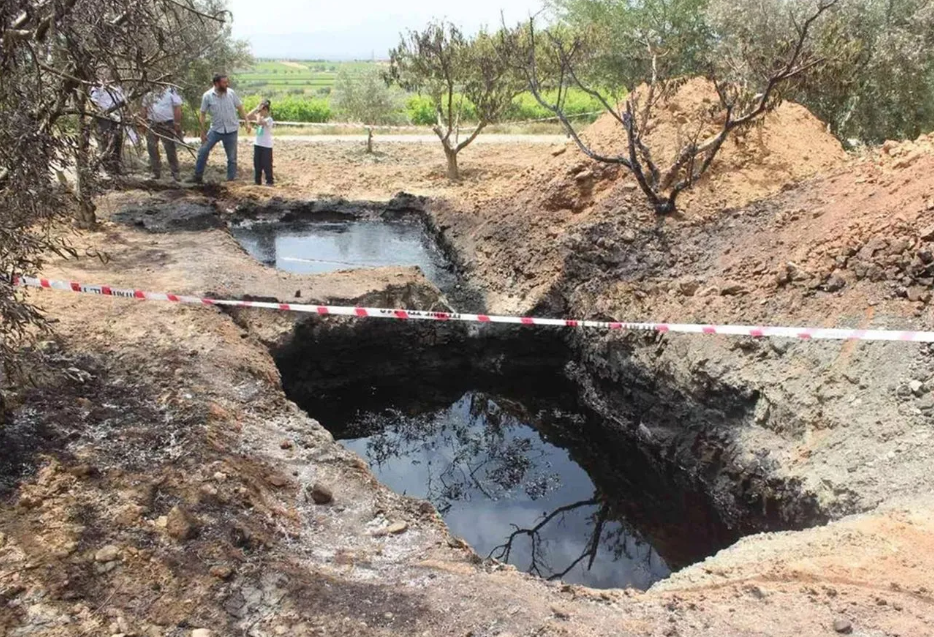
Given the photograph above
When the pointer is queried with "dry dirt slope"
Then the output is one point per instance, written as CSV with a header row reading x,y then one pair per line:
x,y
513,240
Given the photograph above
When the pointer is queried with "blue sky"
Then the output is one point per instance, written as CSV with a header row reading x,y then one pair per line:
x,y
356,29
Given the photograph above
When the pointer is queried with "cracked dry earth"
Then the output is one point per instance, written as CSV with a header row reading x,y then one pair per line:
x,y
165,485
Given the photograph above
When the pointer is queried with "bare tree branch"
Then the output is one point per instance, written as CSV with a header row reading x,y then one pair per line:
x,y
661,187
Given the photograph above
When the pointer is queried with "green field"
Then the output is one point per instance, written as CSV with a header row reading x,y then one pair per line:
x,y
301,91
279,78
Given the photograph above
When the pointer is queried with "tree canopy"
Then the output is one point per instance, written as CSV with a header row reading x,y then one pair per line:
x,y
878,85
453,69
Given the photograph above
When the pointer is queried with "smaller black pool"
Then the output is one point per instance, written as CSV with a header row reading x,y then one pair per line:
x,y
325,246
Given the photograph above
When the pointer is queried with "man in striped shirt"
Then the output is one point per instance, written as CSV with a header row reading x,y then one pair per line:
x,y
224,106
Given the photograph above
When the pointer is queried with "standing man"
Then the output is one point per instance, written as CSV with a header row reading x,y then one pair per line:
x,y
164,121
109,99
224,105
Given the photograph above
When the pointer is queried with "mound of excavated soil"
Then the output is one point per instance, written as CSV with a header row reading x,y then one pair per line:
x,y
900,155
788,145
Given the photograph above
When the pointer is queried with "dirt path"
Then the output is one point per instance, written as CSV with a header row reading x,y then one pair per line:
x,y
379,139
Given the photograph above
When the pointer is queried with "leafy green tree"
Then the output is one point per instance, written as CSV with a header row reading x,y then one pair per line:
x,y
883,87
52,56
875,80
453,70
628,40
210,48
364,97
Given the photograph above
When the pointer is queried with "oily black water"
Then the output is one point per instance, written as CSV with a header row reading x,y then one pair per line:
x,y
315,247
506,488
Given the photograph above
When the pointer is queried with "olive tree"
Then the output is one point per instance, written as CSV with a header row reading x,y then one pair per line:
x,y
751,72
365,98
883,87
52,55
876,83
458,73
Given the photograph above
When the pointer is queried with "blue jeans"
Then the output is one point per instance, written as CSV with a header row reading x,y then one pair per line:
x,y
229,140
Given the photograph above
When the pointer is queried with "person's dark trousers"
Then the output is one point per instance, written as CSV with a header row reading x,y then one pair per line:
x,y
262,163
164,131
110,140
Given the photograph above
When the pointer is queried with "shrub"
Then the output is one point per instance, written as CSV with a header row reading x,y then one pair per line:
x,y
420,111
295,108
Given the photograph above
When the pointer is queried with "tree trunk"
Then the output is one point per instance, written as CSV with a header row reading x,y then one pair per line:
x,y
85,214
369,141
453,171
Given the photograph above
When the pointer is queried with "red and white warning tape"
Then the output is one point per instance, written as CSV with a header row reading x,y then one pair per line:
x,y
371,312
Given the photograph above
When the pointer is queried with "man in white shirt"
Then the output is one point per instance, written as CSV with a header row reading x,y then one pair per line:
x,y
164,122
223,105
110,100
262,147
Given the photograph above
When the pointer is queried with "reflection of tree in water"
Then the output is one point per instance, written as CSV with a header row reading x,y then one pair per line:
x,y
474,450
479,453
613,537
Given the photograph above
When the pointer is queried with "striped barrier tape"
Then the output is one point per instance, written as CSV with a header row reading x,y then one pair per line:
x,y
806,333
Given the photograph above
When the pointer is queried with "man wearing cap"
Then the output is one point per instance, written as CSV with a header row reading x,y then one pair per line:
x,y
164,121
224,106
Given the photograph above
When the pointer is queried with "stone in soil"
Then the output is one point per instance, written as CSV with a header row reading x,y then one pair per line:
x,y
277,480
320,494
396,528
222,572
835,283
107,554
843,626
179,524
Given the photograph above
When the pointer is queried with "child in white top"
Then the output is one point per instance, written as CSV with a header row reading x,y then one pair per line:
x,y
262,146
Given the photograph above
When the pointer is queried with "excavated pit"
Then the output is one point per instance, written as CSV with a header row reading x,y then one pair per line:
x,y
486,425
540,448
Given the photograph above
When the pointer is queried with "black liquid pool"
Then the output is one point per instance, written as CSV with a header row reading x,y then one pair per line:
x,y
325,246
488,467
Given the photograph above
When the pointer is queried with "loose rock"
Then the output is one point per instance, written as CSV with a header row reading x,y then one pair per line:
x,y
320,494
276,480
179,524
561,613
733,289
835,283
221,572
689,287
917,293
201,632
843,626
396,528
107,554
